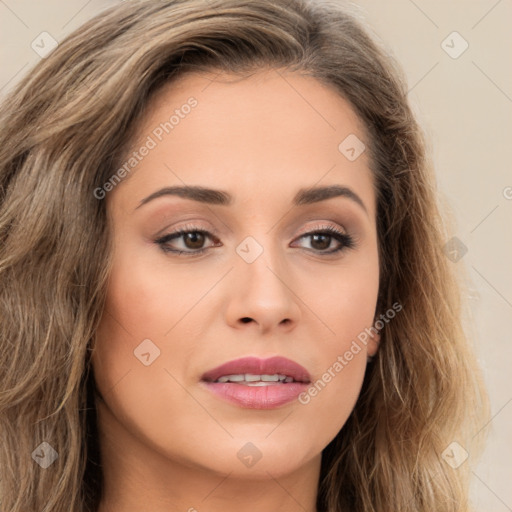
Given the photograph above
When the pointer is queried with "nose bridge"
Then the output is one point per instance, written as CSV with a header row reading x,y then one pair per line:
x,y
263,292
261,263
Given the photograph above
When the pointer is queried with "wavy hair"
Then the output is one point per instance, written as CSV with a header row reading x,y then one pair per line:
x,y
65,129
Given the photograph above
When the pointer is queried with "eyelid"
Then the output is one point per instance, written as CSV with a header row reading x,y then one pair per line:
x,y
323,225
190,226
340,235
213,231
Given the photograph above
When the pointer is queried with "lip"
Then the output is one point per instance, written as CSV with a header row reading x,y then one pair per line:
x,y
258,397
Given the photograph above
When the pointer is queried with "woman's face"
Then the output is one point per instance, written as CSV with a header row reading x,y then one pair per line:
x,y
252,281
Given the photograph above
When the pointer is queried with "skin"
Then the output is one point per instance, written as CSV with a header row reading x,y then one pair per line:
x,y
168,443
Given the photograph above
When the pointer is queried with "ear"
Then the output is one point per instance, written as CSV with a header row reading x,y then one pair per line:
x,y
373,345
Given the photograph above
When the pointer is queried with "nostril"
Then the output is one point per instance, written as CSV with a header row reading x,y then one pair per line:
x,y
246,319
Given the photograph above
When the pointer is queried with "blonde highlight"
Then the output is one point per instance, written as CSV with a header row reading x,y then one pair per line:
x,y
65,131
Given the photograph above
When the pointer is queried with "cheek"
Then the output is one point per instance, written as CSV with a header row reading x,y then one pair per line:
x,y
135,311
147,299
345,304
344,298
341,365
140,309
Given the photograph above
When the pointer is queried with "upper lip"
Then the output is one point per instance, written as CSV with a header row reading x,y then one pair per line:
x,y
257,366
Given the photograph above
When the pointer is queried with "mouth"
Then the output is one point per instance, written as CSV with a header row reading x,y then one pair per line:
x,y
250,379
253,371
257,383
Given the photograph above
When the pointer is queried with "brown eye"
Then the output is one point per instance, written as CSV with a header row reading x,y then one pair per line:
x,y
321,240
325,241
193,241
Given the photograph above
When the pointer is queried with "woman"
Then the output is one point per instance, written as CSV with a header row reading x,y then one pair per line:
x,y
223,278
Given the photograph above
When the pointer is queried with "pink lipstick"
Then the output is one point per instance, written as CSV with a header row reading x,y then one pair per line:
x,y
256,383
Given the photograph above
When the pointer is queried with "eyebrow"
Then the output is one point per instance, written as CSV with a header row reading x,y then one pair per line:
x,y
304,196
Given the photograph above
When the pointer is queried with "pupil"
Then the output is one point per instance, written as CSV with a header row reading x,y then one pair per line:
x,y
325,237
194,237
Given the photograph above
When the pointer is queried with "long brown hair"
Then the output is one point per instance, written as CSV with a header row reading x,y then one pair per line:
x,y
64,130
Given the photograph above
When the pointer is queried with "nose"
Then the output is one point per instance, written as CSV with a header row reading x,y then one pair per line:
x,y
262,295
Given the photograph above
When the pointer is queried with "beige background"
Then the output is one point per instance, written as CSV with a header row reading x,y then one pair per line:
x,y
465,105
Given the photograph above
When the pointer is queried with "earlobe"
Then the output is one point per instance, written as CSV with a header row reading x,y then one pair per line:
x,y
373,345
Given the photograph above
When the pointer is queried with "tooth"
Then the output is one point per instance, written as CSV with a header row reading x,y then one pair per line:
x,y
270,378
252,378
259,383
236,378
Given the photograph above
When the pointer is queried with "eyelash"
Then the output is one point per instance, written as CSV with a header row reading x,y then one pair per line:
x,y
347,241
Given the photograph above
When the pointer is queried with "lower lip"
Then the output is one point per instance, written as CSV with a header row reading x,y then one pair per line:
x,y
257,397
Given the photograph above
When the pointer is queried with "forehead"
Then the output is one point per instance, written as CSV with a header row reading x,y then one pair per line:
x,y
267,99
254,135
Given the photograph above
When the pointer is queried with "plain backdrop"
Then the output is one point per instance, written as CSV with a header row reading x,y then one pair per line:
x,y
456,56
